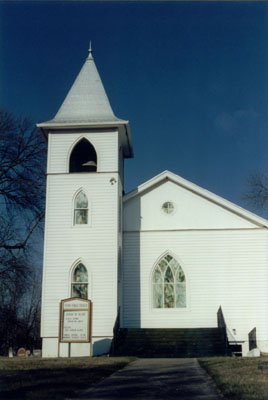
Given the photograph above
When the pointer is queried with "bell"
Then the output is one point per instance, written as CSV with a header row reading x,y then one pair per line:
x,y
89,164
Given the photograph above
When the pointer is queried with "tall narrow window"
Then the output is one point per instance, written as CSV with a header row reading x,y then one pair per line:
x,y
83,157
169,284
81,209
80,282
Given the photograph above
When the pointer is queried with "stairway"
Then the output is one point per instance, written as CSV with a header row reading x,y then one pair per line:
x,y
187,342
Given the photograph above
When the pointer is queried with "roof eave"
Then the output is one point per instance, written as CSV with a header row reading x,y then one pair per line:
x,y
71,125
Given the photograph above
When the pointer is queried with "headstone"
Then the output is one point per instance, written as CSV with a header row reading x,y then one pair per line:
x,y
10,352
37,353
21,352
28,353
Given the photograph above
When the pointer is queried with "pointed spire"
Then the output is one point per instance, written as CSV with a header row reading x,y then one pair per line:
x,y
87,104
90,56
86,101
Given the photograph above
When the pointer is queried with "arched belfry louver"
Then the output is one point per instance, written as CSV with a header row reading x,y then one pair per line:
x,y
169,284
83,157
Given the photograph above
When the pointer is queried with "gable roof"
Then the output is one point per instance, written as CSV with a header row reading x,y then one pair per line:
x,y
220,201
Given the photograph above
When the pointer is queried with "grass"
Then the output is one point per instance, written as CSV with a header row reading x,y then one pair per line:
x,y
57,379
239,378
42,379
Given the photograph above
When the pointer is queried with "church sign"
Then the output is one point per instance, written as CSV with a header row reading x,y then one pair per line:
x,y
75,320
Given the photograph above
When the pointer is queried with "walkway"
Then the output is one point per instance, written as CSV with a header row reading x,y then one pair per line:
x,y
150,379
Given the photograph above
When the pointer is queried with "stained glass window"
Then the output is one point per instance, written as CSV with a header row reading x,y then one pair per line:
x,y
169,284
80,282
81,209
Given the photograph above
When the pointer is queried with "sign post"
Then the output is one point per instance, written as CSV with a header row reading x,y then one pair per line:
x,y
75,321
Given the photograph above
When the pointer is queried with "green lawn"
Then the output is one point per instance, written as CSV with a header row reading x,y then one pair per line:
x,y
239,378
43,379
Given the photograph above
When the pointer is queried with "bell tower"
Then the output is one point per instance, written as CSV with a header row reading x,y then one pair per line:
x,y
87,145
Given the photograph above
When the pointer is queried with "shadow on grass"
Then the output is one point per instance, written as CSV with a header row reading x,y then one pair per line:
x,y
56,383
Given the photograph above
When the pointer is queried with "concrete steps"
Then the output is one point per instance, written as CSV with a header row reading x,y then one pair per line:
x,y
187,342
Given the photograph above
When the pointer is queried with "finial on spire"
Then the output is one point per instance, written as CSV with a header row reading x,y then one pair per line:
x,y
90,51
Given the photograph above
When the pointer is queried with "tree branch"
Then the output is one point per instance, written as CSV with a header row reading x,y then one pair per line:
x,y
21,245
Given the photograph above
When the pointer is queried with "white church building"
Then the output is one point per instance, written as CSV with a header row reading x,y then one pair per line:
x,y
169,254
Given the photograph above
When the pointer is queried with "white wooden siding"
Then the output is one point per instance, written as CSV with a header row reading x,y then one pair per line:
x,y
96,244
227,268
192,211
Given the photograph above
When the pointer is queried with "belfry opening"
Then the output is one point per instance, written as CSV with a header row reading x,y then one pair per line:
x,y
83,157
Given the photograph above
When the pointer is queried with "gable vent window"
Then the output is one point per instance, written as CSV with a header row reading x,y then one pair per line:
x,y
81,209
168,207
80,282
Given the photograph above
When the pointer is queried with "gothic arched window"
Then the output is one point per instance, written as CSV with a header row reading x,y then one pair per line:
x,y
169,284
80,282
83,157
80,209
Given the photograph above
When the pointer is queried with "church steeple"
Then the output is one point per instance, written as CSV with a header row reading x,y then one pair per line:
x,y
87,105
87,100
87,146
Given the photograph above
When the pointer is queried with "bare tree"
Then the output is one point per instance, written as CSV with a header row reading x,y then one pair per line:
x,y
257,193
22,191
22,156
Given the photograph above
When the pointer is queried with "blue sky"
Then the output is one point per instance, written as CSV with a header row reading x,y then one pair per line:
x,y
190,77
